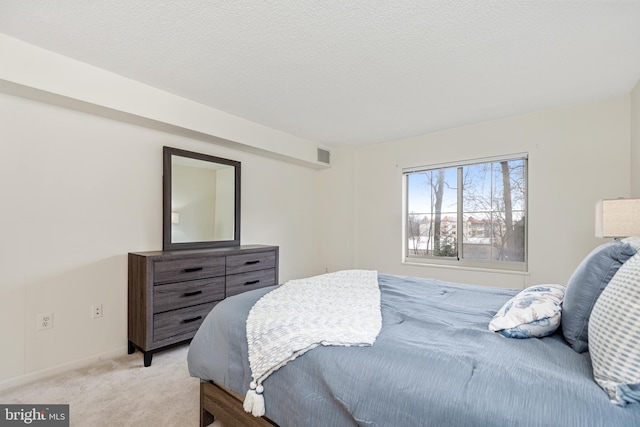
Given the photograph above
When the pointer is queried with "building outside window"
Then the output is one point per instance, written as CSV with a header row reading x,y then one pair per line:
x,y
469,213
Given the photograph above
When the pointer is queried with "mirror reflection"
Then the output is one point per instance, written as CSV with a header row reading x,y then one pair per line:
x,y
202,200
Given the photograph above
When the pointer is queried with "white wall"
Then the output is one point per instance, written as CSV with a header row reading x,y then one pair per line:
x,y
577,155
78,193
635,141
337,211
32,72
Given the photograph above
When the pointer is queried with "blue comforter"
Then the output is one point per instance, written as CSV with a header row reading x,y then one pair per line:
x,y
435,363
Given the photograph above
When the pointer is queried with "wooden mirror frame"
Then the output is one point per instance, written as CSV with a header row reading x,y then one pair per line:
x,y
167,244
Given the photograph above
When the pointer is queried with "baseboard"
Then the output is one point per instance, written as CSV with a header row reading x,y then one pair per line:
x,y
58,369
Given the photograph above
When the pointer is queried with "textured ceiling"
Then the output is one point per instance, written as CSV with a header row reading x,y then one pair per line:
x,y
351,72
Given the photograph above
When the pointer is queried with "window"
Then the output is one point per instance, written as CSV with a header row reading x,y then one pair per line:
x,y
469,214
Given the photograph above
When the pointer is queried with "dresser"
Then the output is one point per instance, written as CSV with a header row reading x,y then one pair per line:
x,y
171,292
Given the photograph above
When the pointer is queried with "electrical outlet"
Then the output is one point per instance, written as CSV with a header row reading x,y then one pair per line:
x,y
45,321
96,311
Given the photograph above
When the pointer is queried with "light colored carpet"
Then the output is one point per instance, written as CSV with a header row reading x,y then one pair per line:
x,y
122,392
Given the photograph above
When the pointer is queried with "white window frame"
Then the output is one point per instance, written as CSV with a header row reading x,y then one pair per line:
x,y
504,266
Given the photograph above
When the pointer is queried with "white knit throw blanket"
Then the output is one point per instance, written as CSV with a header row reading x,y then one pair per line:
x,y
341,308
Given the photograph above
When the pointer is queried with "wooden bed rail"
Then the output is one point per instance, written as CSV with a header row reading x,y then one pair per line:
x,y
226,406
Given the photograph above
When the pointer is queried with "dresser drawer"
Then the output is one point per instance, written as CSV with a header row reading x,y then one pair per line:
x,y
179,322
250,262
179,270
178,295
239,283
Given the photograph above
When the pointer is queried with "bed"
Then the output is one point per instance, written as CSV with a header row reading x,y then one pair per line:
x,y
434,363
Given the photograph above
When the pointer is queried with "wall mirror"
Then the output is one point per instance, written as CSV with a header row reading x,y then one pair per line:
x,y
201,201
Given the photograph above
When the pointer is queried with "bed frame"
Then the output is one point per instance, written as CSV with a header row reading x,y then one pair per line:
x,y
220,403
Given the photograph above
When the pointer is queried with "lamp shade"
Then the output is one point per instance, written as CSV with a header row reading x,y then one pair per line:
x,y
618,218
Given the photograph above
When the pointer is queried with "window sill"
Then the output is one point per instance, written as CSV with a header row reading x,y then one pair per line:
x,y
458,266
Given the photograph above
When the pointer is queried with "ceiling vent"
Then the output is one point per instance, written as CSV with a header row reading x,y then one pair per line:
x,y
324,156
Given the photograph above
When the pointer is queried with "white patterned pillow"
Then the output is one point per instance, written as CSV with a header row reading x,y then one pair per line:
x,y
533,313
614,335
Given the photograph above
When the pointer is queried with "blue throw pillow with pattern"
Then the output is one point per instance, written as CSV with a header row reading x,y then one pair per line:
x,y
533,313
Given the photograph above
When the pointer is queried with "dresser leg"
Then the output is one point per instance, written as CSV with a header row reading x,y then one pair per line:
x,y
132,348
147,358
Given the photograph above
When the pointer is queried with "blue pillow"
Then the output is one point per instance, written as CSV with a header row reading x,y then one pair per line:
x,y
533,313
585,286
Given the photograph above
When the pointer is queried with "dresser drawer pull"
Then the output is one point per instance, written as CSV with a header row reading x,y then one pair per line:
x,y
252,262
191,294
192,320
252,282
192,270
